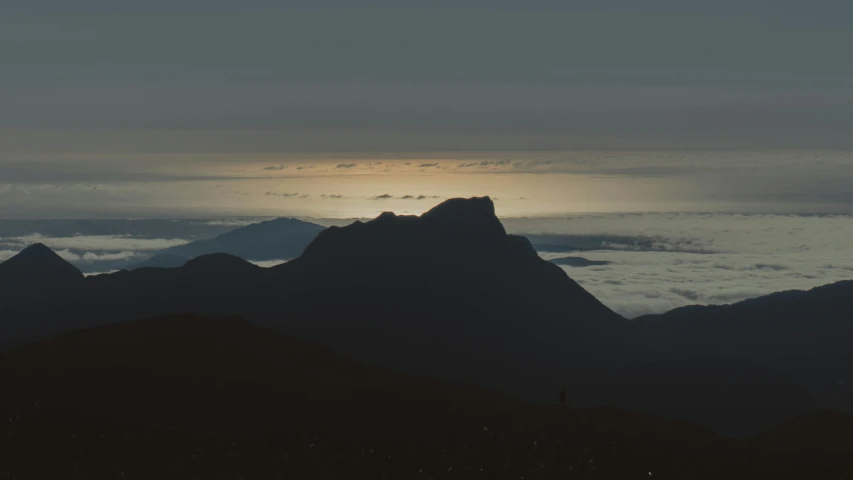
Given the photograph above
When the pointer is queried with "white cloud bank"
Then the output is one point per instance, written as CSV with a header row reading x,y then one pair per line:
x,y
745,256
109,243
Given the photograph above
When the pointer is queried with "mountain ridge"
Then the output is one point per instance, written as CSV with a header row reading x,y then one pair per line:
x,y
449,296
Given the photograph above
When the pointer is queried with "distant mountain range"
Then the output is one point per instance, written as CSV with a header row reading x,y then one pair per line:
x,y
279,239
186,396
450,295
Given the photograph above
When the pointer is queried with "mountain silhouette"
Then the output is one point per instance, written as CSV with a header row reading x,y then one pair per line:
x,y
447,295
802,332
279,239
578,262
457,247
160,260
36,270
814,322
220,263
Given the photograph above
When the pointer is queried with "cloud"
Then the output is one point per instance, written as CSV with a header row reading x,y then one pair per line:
x,y
484,164
282,194
345,165
386,196
686,293
276,167
229,222
581,242
91,257
109,243
664,261
304,167
332,196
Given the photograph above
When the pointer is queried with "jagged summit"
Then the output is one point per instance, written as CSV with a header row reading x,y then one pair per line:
x,y
459,249
38,262
460,225
472,215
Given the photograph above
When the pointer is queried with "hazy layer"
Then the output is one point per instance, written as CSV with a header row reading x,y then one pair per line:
x,y
538,184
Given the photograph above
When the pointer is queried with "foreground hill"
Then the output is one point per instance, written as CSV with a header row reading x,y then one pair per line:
x,y
189,397
447,295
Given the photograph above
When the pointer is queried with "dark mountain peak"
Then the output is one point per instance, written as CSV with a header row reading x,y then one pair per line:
x,y
38,261
457,249
466,225
289,221
220,263
476,214
385,217
37,249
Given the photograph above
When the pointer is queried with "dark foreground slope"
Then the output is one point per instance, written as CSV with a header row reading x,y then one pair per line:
x,y
193,397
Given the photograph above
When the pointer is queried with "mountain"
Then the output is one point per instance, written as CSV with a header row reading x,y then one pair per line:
x,y
459,246
279,239
221,264
578,262
447,295
419,293
803,332
161,260
816,322
36,270
185,396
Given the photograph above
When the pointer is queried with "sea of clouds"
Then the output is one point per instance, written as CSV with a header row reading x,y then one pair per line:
x,y
663,261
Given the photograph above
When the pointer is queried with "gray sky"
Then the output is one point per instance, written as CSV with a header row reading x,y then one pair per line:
x,y
253,76
181,107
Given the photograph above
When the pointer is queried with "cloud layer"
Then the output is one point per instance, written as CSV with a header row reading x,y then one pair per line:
x,y
663,261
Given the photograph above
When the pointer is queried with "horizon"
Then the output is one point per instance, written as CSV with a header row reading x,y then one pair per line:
x,y
575,107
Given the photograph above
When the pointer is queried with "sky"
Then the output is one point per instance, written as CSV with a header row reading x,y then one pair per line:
x,y
704,149
151,108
